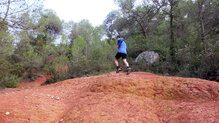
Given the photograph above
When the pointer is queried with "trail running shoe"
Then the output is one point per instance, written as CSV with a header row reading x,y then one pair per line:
x,y
129,70
118,69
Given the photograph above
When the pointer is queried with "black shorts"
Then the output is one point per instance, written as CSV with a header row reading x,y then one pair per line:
x,y
123,55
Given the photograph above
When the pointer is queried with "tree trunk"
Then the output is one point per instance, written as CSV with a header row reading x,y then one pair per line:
x,y
172,41
142,28
201,21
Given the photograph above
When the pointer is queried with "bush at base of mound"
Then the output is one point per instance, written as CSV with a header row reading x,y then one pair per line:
x,y
10,81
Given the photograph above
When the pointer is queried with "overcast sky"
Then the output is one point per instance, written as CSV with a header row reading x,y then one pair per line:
x,y
76,10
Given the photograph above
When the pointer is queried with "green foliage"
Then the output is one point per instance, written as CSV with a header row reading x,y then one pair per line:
x,y
6,49
102,57
9,81
17,69
83,29
6,44
32,63
49,27
89,54
58,70
48,53
78,50
148,29
50,23
83,50
4,66
56,62
78,59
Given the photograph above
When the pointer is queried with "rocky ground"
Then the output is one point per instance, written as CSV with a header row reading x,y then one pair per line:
x,y
113,98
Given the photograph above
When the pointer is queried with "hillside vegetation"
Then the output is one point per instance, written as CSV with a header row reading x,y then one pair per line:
x,y
35,41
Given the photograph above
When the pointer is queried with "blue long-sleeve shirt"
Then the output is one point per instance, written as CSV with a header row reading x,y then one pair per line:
x,y
122,48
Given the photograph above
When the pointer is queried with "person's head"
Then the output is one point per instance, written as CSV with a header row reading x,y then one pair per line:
x,y
117,37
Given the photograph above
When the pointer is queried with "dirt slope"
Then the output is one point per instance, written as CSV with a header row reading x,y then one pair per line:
x,y
114,98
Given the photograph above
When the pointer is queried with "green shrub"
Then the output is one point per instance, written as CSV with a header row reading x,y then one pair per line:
x,y
32,63
10,81
4,66
17,69
57,69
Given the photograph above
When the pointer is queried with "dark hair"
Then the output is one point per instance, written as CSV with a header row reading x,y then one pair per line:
x,y
117,36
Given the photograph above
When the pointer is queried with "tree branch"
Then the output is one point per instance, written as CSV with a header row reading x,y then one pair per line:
x,y
6,14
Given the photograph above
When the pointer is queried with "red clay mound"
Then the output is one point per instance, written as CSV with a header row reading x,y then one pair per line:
x,y
138,97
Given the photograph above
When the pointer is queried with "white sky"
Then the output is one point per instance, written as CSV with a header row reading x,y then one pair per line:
x,y
93,10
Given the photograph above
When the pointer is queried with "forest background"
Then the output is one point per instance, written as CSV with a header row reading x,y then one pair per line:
x,y
35,41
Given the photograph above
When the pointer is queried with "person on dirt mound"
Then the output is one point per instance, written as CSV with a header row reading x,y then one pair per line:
x,y
121,52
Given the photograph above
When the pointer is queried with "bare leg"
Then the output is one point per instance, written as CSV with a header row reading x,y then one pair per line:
x,y
116,62
127,65
125,62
